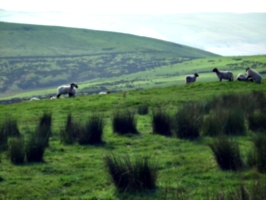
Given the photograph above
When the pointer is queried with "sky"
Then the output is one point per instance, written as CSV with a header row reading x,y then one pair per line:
x,y
134,6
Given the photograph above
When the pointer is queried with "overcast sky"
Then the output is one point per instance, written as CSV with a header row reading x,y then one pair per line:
x,y
135,6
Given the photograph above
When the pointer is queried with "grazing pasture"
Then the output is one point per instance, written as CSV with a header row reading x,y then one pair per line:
x,y
186,168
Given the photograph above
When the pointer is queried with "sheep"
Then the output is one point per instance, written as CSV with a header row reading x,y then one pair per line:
x,y
223,74
243,77
67,89
52,97
254,75
107,92
34,99
191,79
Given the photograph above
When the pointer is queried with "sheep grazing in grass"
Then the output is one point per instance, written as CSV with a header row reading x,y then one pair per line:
x,y
34,99
243,77
254,75
223,74
107,92
191,79
71,90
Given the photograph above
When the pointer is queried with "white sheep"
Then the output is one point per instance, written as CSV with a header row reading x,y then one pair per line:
x,y
190,79
34,99
52,97
71,90
243,77
223,74
107,92
254,75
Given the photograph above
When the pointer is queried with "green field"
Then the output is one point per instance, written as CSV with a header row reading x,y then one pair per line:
x,y
186,168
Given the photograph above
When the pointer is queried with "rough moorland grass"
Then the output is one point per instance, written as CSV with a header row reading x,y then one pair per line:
x,y
226,153
187,121
230,121
161,122
124,122
92,131
131,176
260,152
44,128
8,128
69,134
143,109
257,120
16,150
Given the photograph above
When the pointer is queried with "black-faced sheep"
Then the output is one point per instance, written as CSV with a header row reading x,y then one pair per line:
x,y
191,79
224,74
71,90
254,75
243,77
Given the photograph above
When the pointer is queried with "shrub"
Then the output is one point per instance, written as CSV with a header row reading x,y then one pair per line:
x,y
16,150
222,120
226,153
34,147
130,176
92,131
8,128
161,123
124,122
257,121
69,134
143,110
44,128
187,121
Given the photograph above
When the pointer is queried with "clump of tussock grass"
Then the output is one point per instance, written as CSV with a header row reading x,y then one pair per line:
x,y
92,131
255,191
224,120
257,120
226,153
131,176
8,128
70,132
161,122
259,153
34,148
143,110
188,120
44,128
16,150
124,122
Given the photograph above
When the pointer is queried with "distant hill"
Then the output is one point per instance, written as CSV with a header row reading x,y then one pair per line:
x,y
38,57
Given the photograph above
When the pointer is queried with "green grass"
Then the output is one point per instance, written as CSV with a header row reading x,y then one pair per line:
x,y
76,171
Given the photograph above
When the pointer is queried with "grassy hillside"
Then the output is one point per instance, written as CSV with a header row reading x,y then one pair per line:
x,y
37,57
186,169
161,76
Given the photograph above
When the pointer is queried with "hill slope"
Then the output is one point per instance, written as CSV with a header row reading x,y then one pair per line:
x,y
37,57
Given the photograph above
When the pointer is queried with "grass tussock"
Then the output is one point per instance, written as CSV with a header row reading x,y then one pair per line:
x,y
257,120
92,131
8,128
124,122
260,152
224,120
226,153
161,123
188,120
143,110
131,176
16,150
44,128
70,132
